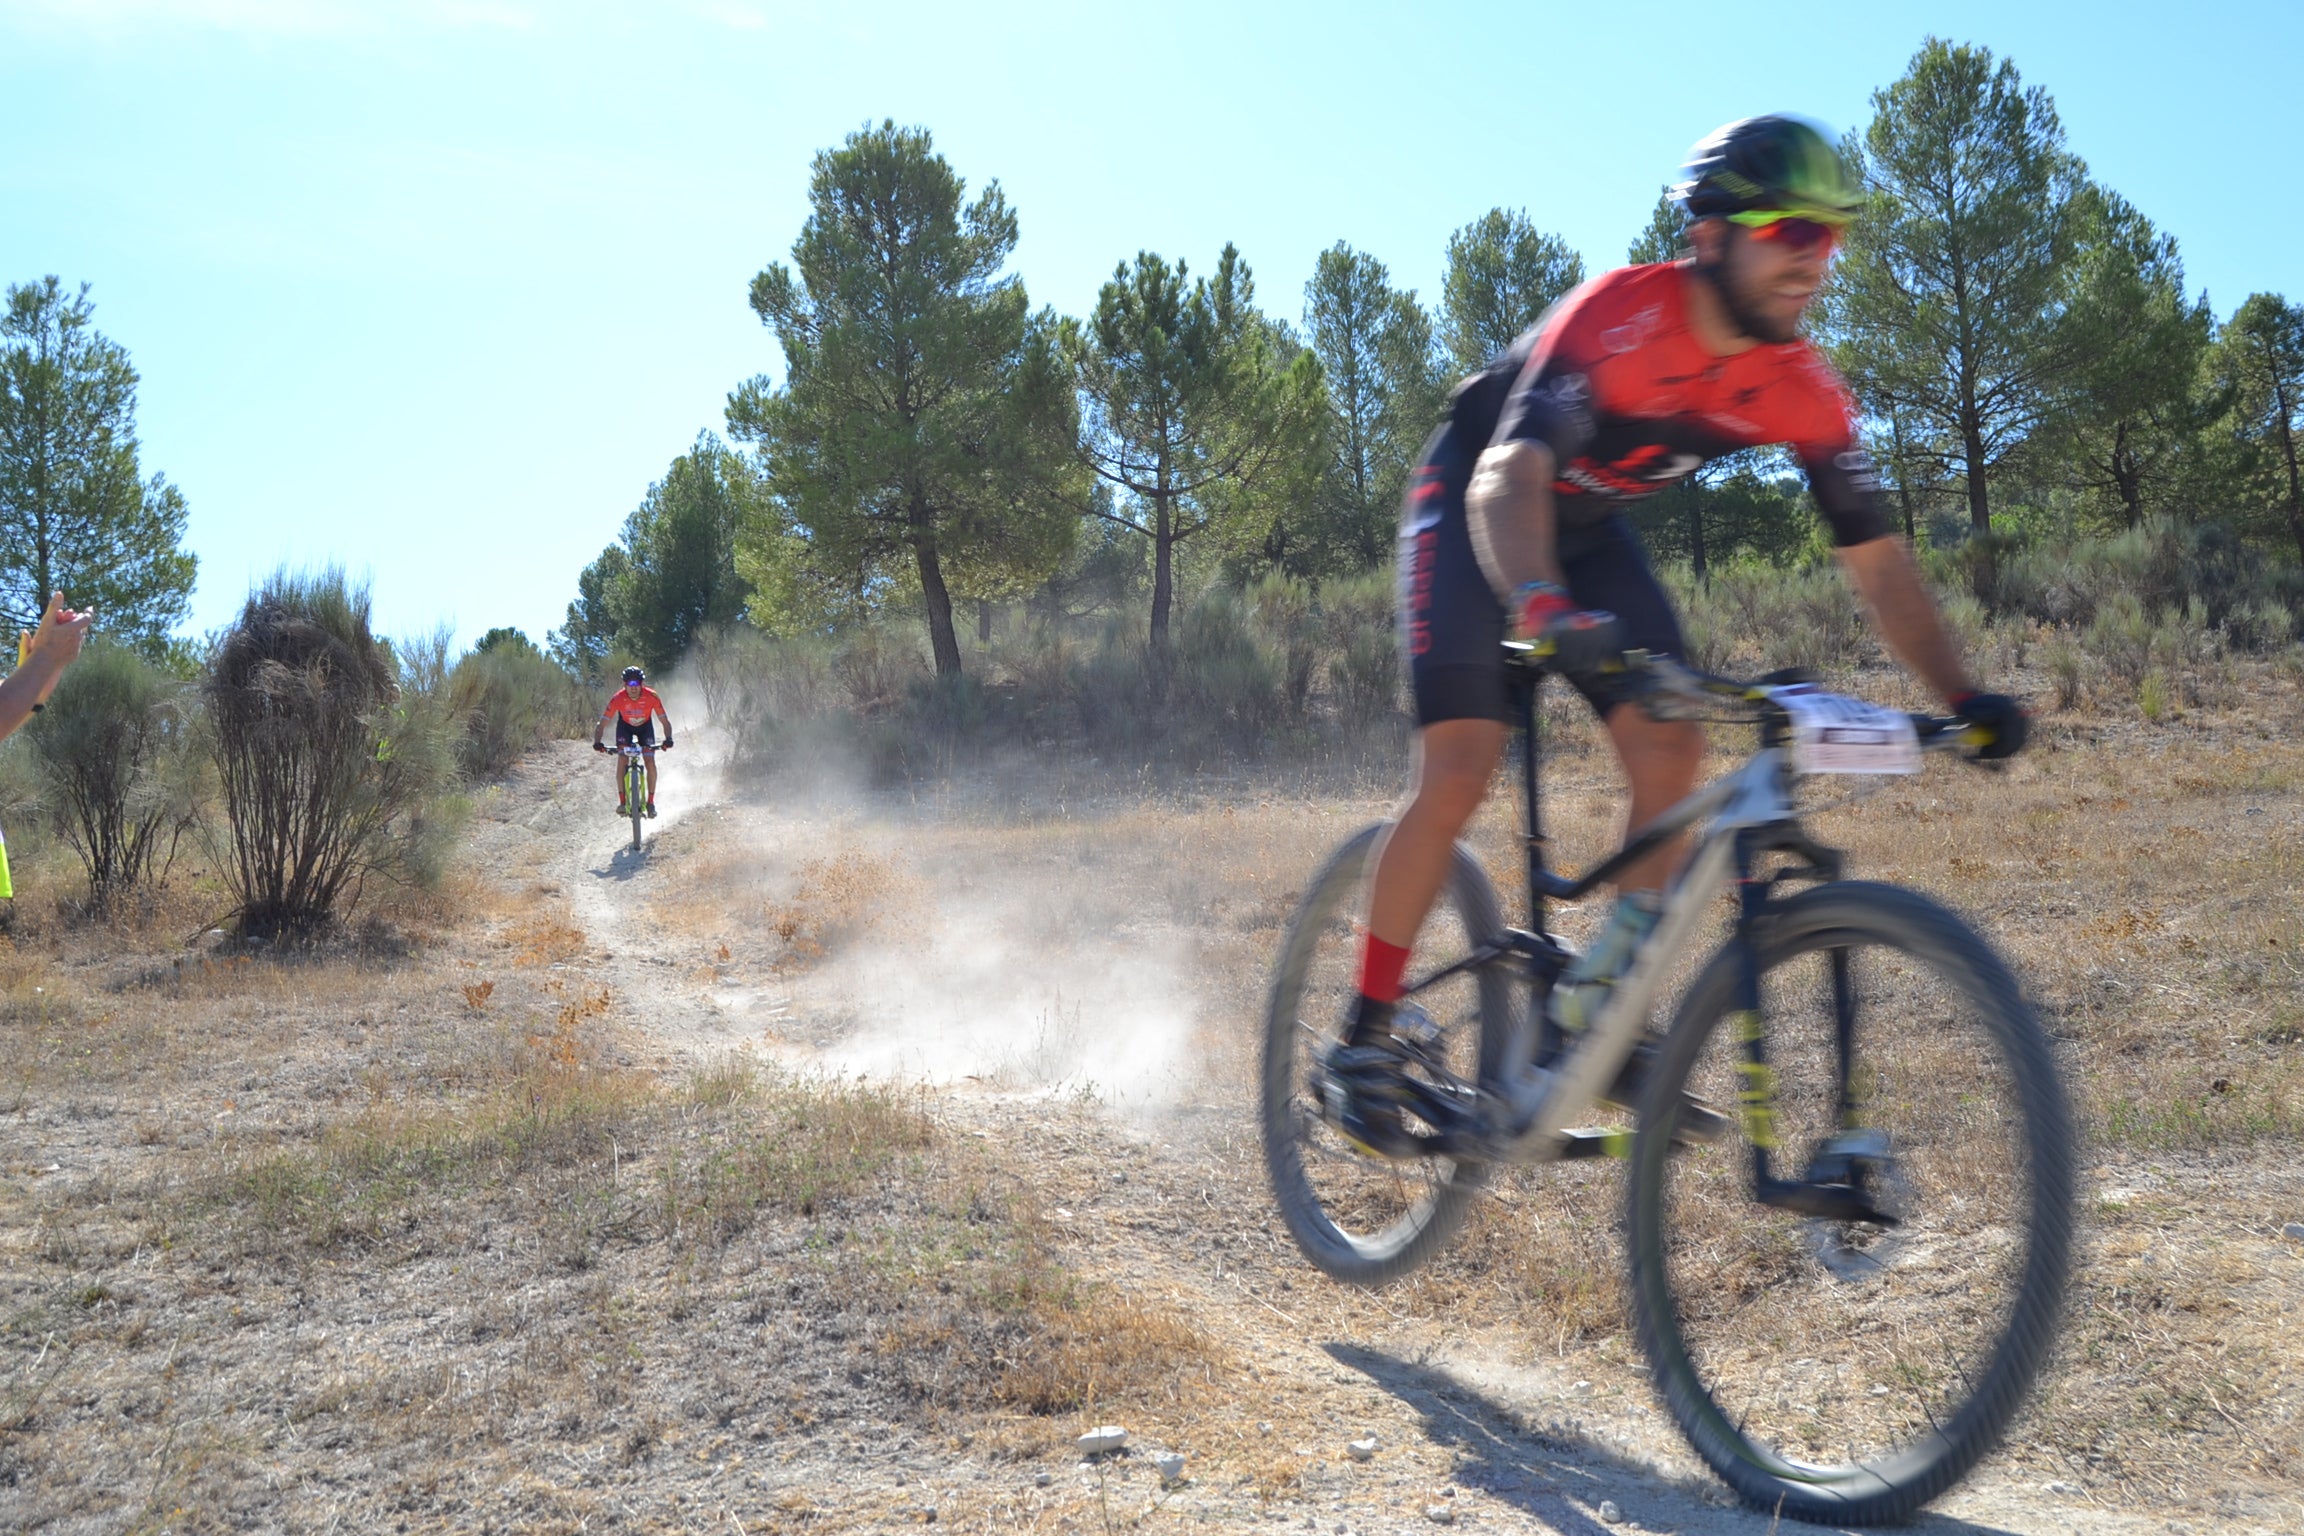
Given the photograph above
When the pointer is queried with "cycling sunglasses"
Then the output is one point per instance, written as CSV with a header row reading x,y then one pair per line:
x,y
1801,234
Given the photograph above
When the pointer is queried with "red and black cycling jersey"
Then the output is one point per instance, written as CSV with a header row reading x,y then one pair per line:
x,y
1613,380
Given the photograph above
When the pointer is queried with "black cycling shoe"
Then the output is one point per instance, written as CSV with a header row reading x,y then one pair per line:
x,y
1364,1082
1362,1091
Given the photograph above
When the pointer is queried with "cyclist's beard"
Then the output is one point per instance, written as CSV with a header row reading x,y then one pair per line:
x,y
1741,313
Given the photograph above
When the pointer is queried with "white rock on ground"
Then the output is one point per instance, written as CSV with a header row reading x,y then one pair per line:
x,y
1170,1466
2294,1229
1609,1513
1361,1450
1103,1438
1440,1514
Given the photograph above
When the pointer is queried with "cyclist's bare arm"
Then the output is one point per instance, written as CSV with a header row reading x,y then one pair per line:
x,y
1513,524
1883,571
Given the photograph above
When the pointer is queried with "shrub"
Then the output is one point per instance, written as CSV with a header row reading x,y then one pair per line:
x,y
114,747
1356,615
507,698
1285,621
326,766
1220,681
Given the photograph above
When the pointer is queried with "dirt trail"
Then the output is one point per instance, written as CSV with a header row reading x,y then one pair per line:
x,y
1152,1184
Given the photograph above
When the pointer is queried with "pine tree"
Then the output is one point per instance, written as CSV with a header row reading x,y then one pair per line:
x,y
75,513
1948,308
923,418
1503,273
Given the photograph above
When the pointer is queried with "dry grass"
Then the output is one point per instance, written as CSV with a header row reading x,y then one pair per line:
x,y
384,1234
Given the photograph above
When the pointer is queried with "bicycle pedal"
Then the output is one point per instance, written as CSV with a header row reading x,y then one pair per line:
x,y
1578,1145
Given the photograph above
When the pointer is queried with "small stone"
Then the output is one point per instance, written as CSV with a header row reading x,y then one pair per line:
x,y
1042,1479
1101,1440
1440,1514
2294,1229
2061,1489
1609,1513
927,1514
1264,1426
1170,1466
1581,1389
1361,1450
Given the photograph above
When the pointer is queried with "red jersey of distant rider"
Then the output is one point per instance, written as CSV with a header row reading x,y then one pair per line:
x,y
634,710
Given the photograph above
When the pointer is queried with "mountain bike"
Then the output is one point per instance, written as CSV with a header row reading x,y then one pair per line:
x,y
1849,1193
634,782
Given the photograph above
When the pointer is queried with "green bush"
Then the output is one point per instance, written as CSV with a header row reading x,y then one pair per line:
x,y
1363,646
115,748
1221,683
507,698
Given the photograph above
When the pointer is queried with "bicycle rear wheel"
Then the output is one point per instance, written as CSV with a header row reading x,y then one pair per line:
x,y
1841,1371
1361,1218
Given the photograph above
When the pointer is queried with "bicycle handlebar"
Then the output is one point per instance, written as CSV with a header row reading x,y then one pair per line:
x,y
1664,679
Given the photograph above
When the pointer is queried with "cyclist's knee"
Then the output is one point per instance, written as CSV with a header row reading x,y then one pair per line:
x,y
1454,762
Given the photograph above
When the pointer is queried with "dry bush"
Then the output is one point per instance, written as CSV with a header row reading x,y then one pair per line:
x,y
992,1320
834,901
326,769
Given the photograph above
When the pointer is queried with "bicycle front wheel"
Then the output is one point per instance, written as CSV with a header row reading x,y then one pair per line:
x,y
636,798
1361,1218
1842,1371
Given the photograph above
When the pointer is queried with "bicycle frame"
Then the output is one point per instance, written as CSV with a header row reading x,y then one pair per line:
x,y
1747,813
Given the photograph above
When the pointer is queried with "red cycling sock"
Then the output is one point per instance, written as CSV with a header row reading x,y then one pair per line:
x,y
1381,967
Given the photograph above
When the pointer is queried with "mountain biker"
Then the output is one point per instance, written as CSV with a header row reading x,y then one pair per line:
x,y
1514,520
635,708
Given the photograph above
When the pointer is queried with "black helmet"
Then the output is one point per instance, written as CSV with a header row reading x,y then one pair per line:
x,y
635,675
1769,164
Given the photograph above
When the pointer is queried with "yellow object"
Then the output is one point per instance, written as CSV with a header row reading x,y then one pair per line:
x,y
7,886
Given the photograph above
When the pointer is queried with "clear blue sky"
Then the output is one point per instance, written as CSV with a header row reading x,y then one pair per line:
x,y
435,289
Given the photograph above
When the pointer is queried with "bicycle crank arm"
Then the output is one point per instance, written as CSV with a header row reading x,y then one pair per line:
x,y
1825,1202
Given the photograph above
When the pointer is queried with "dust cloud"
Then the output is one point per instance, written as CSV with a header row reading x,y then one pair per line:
x,y
939,944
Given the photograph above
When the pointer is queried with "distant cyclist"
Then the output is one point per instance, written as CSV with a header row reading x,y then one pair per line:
x,y
635,708
1515,521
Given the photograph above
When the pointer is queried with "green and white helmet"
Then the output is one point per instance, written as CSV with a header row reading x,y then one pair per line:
x,y
1772,164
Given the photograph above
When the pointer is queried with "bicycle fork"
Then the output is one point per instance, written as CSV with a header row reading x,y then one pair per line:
x,y
1835,1185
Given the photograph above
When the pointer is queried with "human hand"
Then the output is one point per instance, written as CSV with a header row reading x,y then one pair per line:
x,y
1998,719
58,639
599,747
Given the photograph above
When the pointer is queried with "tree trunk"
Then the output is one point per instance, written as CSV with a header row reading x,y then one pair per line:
x,y
1695,527
2287,418
2127,476
983,622
1981,572
1163,573
942,639
1903,480
1979,495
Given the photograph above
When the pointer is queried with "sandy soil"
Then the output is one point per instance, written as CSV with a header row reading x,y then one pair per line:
x,y
1075,968
1080,978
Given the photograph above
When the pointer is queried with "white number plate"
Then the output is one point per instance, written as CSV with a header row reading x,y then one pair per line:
x,y
1835,734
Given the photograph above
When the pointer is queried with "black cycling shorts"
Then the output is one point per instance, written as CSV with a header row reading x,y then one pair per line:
x,y
1451,624
643,733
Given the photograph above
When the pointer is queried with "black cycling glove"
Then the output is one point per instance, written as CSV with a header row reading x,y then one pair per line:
x,y
599,746
2000,718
